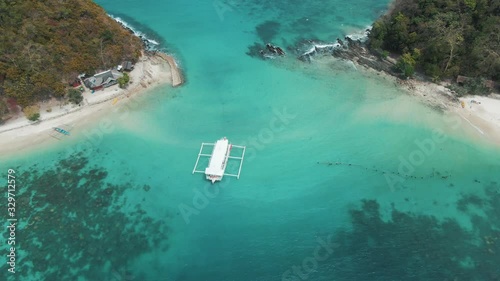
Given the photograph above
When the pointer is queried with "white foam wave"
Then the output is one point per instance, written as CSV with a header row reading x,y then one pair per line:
x,y
316,47
153,41
310,51
327,46
361,35
137,33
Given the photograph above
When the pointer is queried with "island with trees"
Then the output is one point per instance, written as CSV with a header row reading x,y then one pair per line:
x,y
456,42
46,45
442,39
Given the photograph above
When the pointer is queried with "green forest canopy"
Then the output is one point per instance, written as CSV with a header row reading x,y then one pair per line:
x,y
44,45
452,37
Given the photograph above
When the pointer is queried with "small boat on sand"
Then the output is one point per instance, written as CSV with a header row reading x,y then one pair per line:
x,y
62,131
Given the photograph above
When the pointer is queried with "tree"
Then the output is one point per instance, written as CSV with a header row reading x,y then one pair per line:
x,y
397,38
32,112
377,35
123,81
455,37
477,86
471,4
45,44
485,53
3,109
22,91
406,63
75,96
447,29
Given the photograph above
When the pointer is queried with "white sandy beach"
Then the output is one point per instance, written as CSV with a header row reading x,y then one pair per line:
x,y
483,114
480,116
18,134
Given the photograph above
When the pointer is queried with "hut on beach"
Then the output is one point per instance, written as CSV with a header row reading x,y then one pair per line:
x,y
461,80
103,79
127,66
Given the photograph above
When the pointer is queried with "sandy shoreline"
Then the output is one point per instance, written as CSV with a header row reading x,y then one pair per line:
x,y
479,115
18,134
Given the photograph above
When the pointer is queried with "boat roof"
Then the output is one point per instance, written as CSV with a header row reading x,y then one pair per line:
x,y
218,156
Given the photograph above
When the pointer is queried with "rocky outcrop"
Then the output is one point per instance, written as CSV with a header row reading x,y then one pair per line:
x,y
318,48
358,52
348,49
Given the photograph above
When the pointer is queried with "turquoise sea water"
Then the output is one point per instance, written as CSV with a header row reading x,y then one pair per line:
x,y
345,177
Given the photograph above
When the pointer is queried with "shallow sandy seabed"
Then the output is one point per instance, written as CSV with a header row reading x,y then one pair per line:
x,y
480,117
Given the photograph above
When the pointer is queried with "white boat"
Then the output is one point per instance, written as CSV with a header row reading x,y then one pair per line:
x,y
221,153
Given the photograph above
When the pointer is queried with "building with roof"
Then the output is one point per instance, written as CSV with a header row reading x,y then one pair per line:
x,y
103,79
127,66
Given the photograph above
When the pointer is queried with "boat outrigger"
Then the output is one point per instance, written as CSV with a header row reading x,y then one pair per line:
x,y
61,131
221,153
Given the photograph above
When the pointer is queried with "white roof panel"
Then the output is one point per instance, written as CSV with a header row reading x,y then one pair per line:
x,y
216,167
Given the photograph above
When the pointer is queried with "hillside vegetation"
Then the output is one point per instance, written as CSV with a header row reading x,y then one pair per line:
x,y
443,38
44,45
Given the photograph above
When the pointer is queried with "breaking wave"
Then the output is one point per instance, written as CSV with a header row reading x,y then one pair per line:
x,y
149,44
361,35
312,48
315,48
